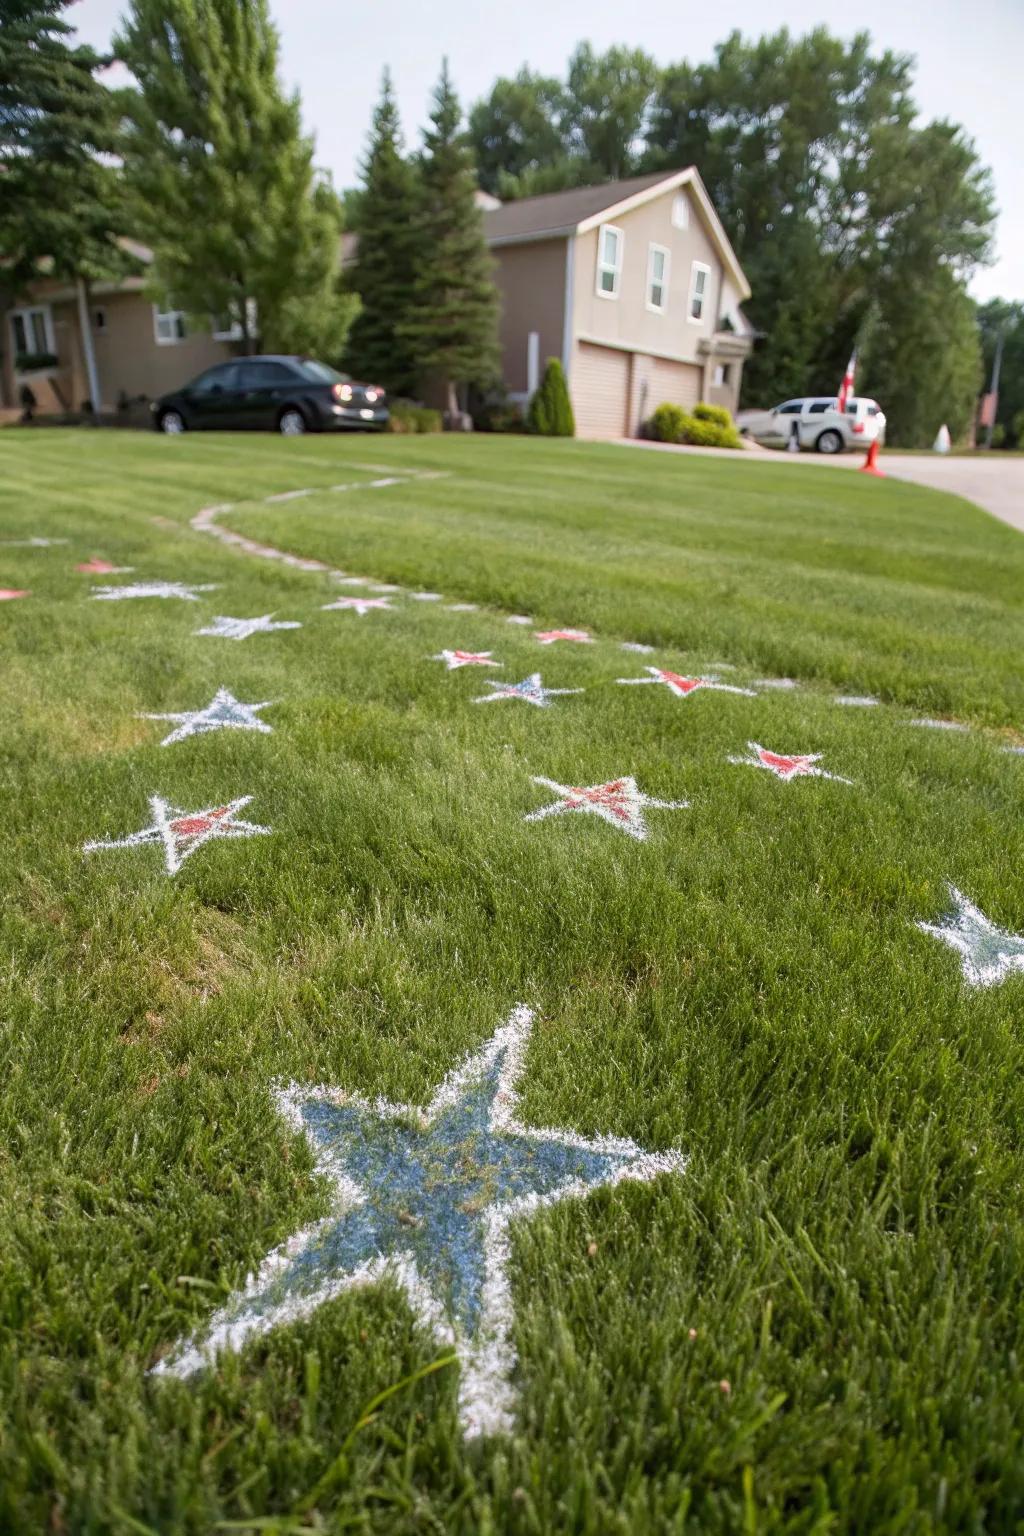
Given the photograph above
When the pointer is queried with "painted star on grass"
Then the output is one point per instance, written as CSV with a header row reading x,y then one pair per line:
x,y
681,686
226,628
427,1198
187,592
455,659
360,605
787,766
8,594
530,690
223,713
35,542
619,802
182,832
987,954
549,636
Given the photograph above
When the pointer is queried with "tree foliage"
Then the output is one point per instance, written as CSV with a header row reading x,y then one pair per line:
x,y
60,203
453,329
385,270
550,409
223,178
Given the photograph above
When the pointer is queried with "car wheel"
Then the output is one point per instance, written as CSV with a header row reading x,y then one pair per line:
x,y
830,442
172,422
291,422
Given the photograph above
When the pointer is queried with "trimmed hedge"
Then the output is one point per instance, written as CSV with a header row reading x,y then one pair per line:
x,y
408,417
550,410
707,426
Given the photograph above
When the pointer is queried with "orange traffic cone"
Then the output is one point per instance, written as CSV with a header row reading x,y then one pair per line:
x,y
870,465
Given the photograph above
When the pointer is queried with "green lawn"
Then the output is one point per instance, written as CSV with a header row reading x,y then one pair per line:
x,y
746,988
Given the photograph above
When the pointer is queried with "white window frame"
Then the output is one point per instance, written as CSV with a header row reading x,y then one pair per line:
x,y
681,211
697,267
173,315
658,250
233,332
721,379
603,267
23,314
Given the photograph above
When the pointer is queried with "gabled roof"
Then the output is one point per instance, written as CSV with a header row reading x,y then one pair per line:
x,y
556,214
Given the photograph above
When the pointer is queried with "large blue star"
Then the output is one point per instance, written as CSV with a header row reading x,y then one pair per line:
x,y
426,1196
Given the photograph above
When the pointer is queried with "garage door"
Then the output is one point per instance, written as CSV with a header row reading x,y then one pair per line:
x,y
674,384
600,391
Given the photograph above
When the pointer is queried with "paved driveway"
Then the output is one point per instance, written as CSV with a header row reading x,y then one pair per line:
x,y
993,481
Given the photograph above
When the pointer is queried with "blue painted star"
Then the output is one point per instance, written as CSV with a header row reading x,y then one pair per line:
x,y
987,954
426,1197
531,691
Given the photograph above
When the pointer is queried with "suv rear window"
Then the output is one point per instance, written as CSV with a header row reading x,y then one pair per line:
x,y
820,407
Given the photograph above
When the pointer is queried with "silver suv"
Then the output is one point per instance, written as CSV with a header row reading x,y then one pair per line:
x,y
818,423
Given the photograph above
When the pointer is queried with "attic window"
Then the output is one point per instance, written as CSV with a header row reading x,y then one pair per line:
x,y
609,261
680,211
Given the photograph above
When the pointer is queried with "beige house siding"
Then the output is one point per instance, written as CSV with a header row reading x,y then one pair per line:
x,y
128,356
531,281
626,319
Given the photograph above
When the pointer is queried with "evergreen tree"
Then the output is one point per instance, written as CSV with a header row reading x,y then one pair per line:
x,y
387,261
60,202
225,188
550,410
454,327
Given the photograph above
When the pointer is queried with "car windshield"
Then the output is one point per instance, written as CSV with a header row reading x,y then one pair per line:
x,y
321,372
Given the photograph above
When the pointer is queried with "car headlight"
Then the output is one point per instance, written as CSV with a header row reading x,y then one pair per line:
x,y
342,391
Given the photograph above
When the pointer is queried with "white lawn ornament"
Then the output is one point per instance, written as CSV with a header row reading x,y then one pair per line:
x,y
942,443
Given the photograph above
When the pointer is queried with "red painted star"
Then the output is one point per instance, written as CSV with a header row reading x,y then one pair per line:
x,y
455,659
100,568
182,832
620,802
682,686
549,636
7,594
787,766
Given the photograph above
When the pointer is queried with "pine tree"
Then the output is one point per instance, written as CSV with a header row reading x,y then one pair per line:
x,y
550,410
223,176
454,327
60,202
385,269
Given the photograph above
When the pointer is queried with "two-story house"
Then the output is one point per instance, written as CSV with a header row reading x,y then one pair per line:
x,y
634,285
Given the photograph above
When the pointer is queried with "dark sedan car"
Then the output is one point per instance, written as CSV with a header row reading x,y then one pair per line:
x,y
279,394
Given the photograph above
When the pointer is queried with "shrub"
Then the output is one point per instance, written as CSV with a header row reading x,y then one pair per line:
x,y
709,426
550,410
408,417
495,412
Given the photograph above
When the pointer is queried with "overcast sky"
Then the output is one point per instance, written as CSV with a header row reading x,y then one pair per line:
x,y
970,60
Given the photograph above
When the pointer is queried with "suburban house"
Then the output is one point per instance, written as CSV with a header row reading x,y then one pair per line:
x,y
633,285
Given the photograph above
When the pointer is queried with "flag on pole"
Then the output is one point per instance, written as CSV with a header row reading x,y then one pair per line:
x,y
846,387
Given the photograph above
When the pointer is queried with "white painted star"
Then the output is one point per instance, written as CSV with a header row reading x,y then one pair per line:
x,y
182,832
940,725
784,684
35,542
462,607
619,802
226,628
455,659
682,686
187,593
787,766
425,597
856,700
637,647
359,605
518,618
530,690
987,954
223,713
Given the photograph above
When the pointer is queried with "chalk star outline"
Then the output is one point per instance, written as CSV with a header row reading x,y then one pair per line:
x,y
988,953
543,1166
223,713
682,686
787,766
183,832
184,590
359,605
620,802
224,627
531,691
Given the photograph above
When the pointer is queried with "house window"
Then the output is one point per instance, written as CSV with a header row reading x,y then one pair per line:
x,y
609,261
680,211
225,327
99,320
721,375
32,331
168,326
657,278
699,275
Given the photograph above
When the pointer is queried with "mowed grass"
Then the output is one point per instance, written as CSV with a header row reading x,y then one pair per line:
x,y
748,987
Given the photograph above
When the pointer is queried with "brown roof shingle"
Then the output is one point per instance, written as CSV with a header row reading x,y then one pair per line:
x,y
558,211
